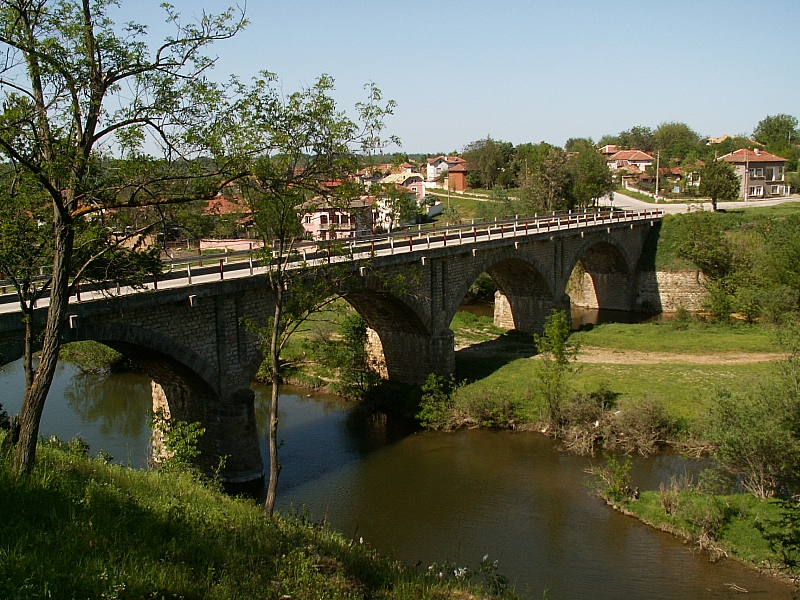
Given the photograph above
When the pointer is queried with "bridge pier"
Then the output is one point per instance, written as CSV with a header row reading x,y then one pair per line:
x,y
229,423
527,313
409,357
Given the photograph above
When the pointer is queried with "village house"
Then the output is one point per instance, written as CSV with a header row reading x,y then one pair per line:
x,y
763,175
441,164
409,180
323,220
457,176
630,160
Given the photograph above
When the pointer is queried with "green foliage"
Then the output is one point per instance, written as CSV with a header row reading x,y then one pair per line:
x,y
491,160
776,130
591,177
612,481
350,358
180,440
719,181
481,290
682,320
783,533
90,356
556,356
5,422
700,239
718,302
754,437
436,403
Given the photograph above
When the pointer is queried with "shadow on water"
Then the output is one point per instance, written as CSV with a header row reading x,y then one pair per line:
x,y
322,434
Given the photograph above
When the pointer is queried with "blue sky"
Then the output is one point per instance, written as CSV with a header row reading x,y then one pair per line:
x,y
524,71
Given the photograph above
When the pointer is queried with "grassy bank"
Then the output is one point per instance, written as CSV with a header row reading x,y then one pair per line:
x,y
502,368
81,528
737,526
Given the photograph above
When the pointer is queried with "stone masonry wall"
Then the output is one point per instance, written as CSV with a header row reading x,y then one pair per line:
x,y
657,291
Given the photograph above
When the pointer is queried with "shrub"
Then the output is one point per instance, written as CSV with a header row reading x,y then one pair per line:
x,y
436,405
682,320
555,365
753,437
612,481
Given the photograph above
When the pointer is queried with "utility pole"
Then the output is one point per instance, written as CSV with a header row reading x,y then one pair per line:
x,y
746,172
658,168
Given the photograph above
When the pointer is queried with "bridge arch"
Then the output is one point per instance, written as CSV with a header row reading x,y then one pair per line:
x,y
525,295
601,276
188,387
400,341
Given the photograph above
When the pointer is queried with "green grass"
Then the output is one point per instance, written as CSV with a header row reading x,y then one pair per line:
x,y
80,528
503,365
736,533
467,207
699,338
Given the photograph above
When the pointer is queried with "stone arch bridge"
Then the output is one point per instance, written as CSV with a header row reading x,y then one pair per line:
x,y
189,335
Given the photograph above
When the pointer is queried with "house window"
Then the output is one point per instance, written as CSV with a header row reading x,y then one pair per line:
x,y
776,190
757,172
323,219
308,218
756,190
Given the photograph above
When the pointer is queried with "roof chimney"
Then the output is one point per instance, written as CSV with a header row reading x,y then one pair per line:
x,y
758,152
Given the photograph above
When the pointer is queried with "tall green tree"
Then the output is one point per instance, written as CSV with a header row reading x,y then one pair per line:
x,y
64,109
777,130
719,181
551,184
488,158
591,177
303,141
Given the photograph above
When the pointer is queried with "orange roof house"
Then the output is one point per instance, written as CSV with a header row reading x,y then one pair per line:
x,y
763,175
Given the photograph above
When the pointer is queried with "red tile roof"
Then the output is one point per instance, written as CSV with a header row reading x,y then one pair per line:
x,y
631,155
745,155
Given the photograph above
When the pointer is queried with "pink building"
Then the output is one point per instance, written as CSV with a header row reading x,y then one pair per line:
x,y
409,180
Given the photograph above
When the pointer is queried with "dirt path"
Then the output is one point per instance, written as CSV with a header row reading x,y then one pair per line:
x,y
589,354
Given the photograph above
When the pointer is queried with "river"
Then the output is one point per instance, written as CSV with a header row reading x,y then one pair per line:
x,y
427,496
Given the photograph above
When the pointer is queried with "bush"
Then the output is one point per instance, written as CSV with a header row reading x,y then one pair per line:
x,y
718,303
612,481
753,437
435,407
682,320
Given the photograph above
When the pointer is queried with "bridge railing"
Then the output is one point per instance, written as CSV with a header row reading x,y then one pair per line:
x,y
403,240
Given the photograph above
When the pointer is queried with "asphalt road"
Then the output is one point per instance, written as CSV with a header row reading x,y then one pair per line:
x,y
628,203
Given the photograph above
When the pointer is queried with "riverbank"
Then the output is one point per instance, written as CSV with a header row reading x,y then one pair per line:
x,y
80,527
732,526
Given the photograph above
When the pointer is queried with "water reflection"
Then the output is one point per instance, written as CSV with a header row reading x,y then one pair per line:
x,y
114,403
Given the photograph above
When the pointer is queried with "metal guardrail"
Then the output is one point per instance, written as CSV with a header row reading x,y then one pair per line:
x,y
404,240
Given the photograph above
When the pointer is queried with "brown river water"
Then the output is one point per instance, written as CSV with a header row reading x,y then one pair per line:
x,y
426,496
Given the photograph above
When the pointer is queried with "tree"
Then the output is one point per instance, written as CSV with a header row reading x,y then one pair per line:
x,y
488,159
578,144
639,137
302,142
551,184
591,176
719,181
555,364
64,112
398,203
676,141
778,130
701,240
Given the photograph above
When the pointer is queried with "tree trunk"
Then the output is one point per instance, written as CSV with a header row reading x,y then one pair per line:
x,y
714,204
274,466
36,393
